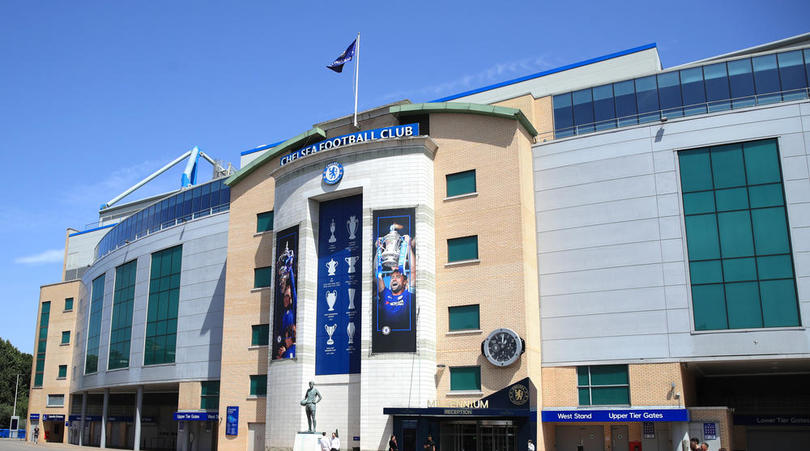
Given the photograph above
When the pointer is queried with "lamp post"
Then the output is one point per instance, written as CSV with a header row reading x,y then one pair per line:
x,y
16,385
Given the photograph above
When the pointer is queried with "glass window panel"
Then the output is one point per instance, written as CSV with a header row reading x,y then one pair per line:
x,y
770,231
727,166
258,385
708,271
647,99
460,183
709,307
762,162
717,93
62,371
583,111
779,303
701,237
766,195
743,305
68,303
609,375
731,199
694,94
264,221
604,108
65,337
766,78
164,294
669,93
464,317
465,378
195,199
792,76
775,267
262,277
460,249
807,65
584,395
610,396
696,170
261,335
700,202
563,116
582,376
739,269
625,96
735,234
94,327
741,80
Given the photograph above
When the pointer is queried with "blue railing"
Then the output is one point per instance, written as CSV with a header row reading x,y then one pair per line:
x,y
6,433
199,201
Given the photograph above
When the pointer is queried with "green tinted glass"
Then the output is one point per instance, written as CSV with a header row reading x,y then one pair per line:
x,y
62,371
264,221
701,237
261,335
727,166
262,276
735,234
609,375
779,305
464,317
461,249
68,303
739,269
696,172
770,231
708,271
465,378
700,202
460,183
762,162
775,267
731,199
744,310
709,305
164,297
766,195
94,328
121,328
258,385
610,395
584,396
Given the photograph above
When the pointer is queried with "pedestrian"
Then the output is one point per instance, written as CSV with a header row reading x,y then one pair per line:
x,y
694,444
531,445
325,443
392,443
429,445
704,446
335,441
36,434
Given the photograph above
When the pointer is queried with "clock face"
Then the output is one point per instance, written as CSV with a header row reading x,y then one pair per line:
x,y
503,347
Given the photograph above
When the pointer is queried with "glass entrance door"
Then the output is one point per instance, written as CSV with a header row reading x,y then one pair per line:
x,y
478,436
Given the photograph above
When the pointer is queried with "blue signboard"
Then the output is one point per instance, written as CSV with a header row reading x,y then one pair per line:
x,y
196,416
33,416
340,271
710,431
232,421
615,415
53,417
772,420
394,132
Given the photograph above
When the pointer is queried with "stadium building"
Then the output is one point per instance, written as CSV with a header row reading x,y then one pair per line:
x,y
607,255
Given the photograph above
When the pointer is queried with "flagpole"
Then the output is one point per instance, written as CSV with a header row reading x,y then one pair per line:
x,y
356,76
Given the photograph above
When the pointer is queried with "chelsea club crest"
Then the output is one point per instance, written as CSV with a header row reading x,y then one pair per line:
x,y
332,173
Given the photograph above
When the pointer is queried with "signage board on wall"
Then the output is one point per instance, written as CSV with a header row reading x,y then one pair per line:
x,y
648,429
378,134
393,317
340,271
615,415
710,431
286,294
232,421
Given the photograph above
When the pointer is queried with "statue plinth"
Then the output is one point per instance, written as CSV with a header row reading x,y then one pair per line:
x,y
307,441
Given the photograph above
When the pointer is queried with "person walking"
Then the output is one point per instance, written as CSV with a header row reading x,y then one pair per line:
x,y
36,434
335,441
392,443
531,445
325,443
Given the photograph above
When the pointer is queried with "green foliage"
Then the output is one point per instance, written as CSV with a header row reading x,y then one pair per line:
x,y
14,363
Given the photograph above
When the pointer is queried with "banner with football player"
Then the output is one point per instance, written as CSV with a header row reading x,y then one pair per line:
x,y
394,304
286,297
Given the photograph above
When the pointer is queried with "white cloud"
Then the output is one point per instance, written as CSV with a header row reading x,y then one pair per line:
x,y
496,73
49,256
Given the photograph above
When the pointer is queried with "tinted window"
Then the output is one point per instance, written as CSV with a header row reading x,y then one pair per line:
x,y
563,116
766,78
583,111
625,95
647,98
717,87
791,72
669,93
603,107
741,81
694,94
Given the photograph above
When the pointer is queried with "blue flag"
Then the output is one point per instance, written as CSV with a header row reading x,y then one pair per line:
x,y
344,58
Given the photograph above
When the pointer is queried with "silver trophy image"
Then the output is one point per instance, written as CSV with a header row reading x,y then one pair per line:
x,y
350,329
331,298
393,248
351,226
332,238
330,330
351,298
331,266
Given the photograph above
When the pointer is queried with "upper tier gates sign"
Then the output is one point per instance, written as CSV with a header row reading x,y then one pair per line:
x,y
378,134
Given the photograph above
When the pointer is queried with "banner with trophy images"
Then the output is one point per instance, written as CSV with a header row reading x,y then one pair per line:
x,y
286,294
340,272
394,310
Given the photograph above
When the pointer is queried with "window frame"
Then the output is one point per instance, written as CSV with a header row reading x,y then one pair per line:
x,y
70,307
465,390
255,380
590,386
256,273
456,178
459,240
264,215
458,308
63,342
209,386
59,374
48,402
254,329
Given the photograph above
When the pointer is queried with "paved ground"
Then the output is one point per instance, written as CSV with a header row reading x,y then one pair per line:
x,y
19,445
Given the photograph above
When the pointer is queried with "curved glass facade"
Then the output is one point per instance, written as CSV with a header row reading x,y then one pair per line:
x,y
199,201
759,80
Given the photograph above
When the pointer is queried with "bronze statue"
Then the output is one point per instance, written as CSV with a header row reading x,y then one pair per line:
x,y
311,398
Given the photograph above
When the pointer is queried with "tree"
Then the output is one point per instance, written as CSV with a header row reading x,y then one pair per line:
x,y
14,362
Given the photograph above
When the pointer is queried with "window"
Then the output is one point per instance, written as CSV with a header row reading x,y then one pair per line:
x,y
209,397
68,304
121,329
164,297
740,262
464,317
264,222
261,335
62,372
56,400
462,249
563,116
94,328
460,183
42,340
603,385
465,378
258,385
262,276
65,337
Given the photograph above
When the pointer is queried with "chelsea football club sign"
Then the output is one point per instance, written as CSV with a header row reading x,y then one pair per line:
x,y
332,173
378,134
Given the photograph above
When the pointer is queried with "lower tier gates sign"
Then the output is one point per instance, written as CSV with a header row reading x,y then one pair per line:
x,y
340,272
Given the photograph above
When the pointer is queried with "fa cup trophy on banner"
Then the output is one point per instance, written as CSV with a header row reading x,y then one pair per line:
x,y
392,249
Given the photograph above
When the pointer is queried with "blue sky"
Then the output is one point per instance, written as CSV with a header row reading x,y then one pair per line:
x,y
96,95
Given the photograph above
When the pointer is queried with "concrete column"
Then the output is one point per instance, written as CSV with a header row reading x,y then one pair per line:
x,y
138,407
106,404
680,435
81,421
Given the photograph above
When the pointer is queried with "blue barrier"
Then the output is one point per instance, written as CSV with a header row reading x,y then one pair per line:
x,y
6,433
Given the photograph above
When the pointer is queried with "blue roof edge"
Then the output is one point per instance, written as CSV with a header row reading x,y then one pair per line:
x,y
93,230
547,72
260,148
